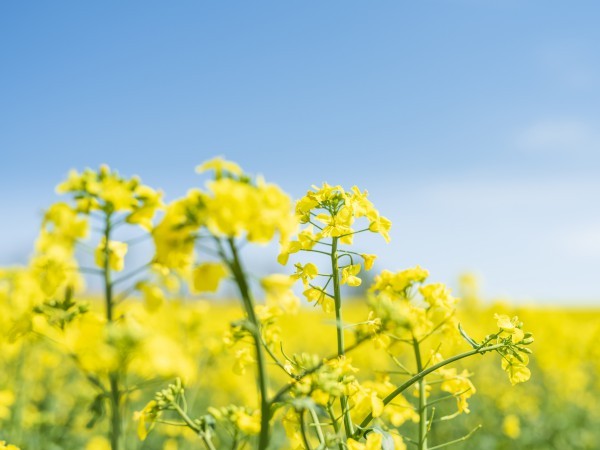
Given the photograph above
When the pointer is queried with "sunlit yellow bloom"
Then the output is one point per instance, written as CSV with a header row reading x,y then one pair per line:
x,y
117,193
98,443
146,418
248,424
381,225
150,202
516,370
369,260
511,426
438,295
337,225
373,442
398,282
152,294
366,401
5,446
116,254
349,275
219,166
305,272
64,225
174,236
7,398
458,385
206,277
321,298
510,327
278,288
243,358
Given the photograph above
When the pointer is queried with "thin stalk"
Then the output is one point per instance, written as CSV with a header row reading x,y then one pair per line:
x,y
303,430
240,278
348,426
318,429
113,376
334,423
422,399
480,350
190,423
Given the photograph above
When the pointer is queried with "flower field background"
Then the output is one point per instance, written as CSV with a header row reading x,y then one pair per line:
x,y
153,363
45,400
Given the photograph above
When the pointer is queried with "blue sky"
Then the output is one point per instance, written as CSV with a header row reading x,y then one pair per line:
x,y
473,124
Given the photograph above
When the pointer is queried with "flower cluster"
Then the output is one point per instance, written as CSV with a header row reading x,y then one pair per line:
x,y
105,190
232,206
514,355
403,307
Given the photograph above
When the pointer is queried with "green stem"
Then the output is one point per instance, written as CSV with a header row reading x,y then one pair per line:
x,y
240,278
190,423
480,350
334,423
318,429
303,430
115,394
348,426
422,399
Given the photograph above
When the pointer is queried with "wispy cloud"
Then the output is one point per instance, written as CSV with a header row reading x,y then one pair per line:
x,y
583,242
559,136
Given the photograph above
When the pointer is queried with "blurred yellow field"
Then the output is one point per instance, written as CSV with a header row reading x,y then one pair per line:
x,y
44,400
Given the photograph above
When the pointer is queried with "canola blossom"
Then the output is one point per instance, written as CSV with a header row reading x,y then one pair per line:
x,y
146,362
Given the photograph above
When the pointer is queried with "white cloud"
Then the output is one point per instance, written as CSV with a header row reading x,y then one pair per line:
x,y
559,136
583,242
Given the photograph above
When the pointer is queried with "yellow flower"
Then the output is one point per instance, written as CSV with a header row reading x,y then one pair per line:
x,y
117,193
150,203
146,418
373,442
243,358
174,236
367,401
369,260
381,225
321,298
278,288
51,272
153,295
398,282
510,327
438,295
337,225
5,446
64,225
248,424
458,385
220,165
516,369
511,426
116,254
98,443
305,272
207,276
349,275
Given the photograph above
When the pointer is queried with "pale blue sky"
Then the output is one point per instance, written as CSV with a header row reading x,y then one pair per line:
x,y
474,124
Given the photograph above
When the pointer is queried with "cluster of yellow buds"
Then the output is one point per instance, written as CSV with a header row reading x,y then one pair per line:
x,y
233,205
515,355
403,306
241,418
105,190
